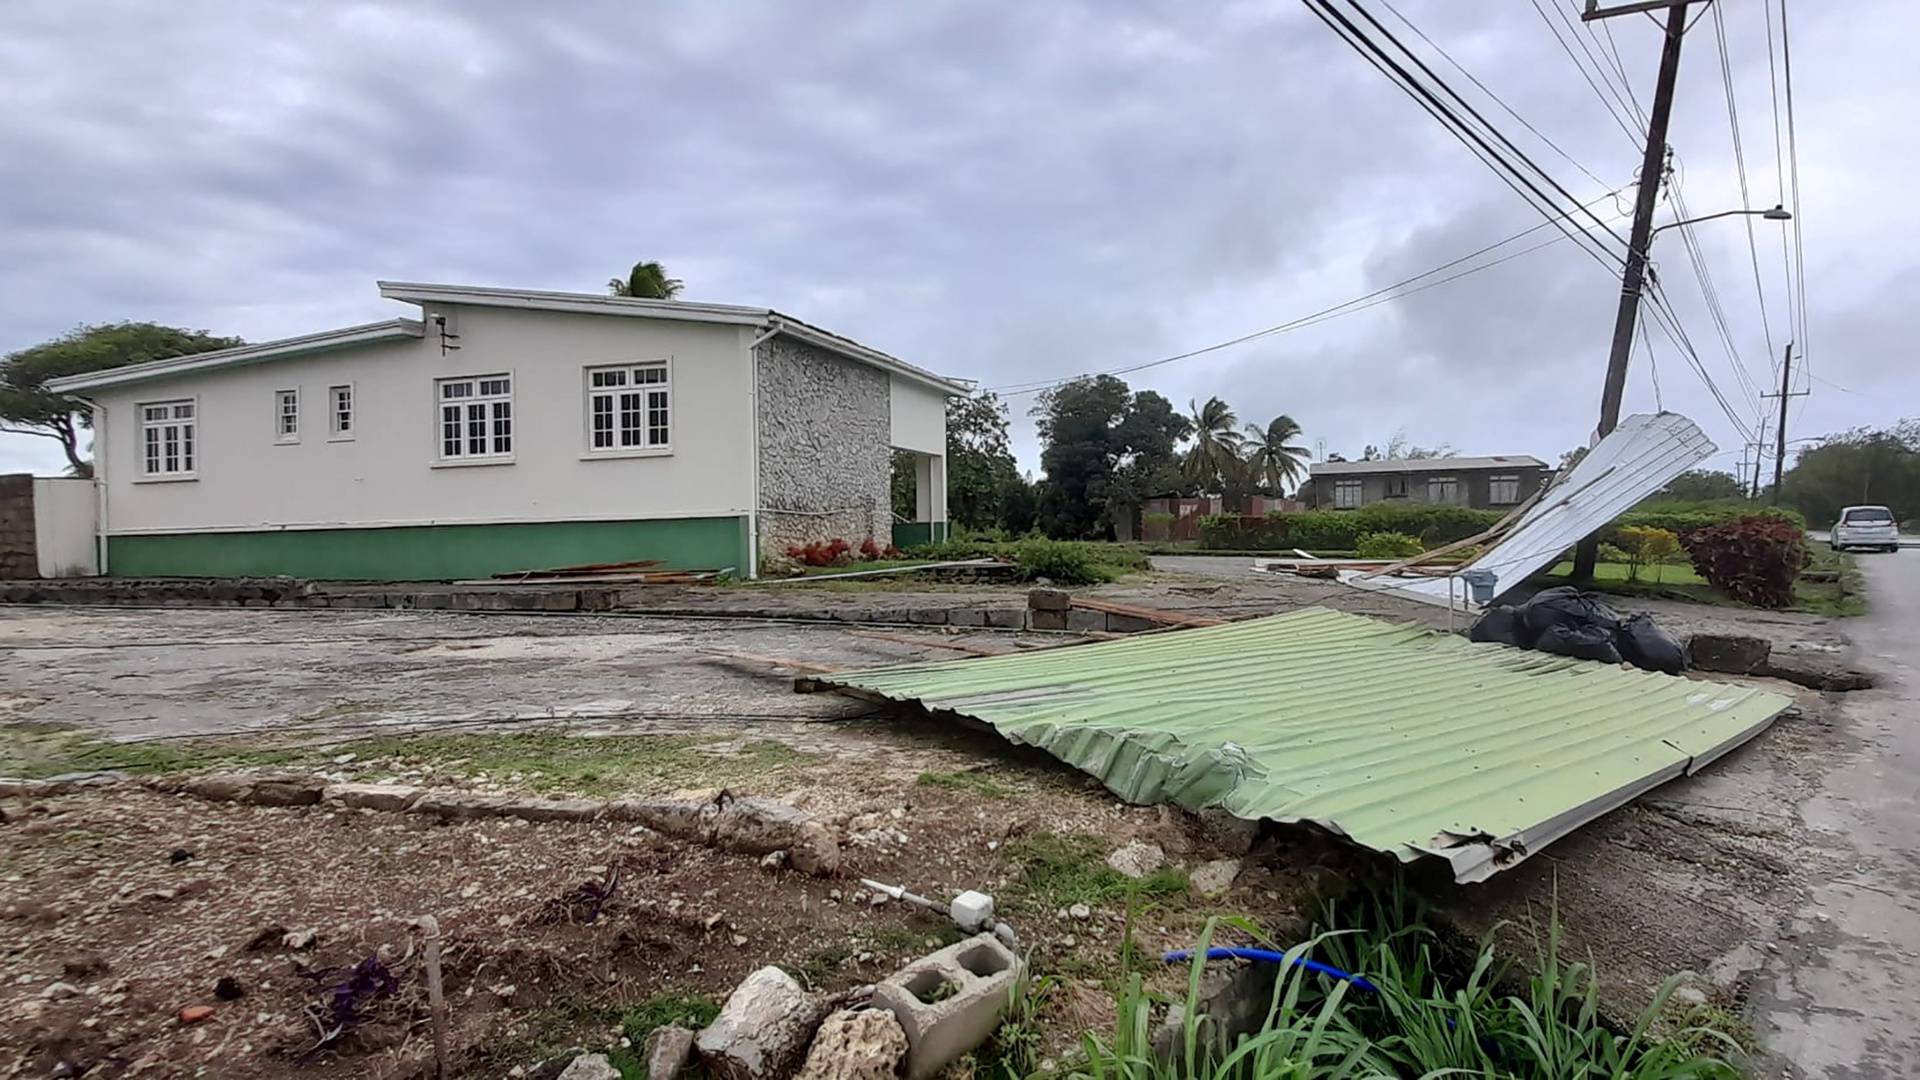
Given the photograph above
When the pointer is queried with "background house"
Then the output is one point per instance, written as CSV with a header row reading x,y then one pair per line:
x,y
1485,483
508,429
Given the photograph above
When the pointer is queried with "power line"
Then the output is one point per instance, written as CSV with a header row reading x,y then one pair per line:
x,y
1633,138
1740,166
1358,303
1620,69
1653,365
1710,291
1793,166
1509,173
1497,100
1779,173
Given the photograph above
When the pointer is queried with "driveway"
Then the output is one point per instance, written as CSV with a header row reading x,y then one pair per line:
x,y
1841,999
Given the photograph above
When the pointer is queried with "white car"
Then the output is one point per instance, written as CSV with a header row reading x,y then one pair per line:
x,y
1865,527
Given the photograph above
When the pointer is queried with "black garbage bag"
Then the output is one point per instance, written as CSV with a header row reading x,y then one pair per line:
x,y
1643,644
1502,623
1582,642
1565,605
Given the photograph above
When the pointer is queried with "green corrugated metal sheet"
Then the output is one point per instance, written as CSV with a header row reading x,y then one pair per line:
x,y
1406,740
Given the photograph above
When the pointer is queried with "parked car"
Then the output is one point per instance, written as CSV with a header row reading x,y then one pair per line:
x,y
1870,527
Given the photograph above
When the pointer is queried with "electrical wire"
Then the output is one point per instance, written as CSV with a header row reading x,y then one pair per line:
x,y
1358,303
1740,167
1793,167
1710,291
1780,179
1653,364
1497,100
1633,137
1353,37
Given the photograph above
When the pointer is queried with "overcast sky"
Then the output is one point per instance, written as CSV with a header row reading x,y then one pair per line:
x,y
1000,192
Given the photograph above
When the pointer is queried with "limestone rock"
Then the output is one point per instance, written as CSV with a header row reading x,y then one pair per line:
x,y
1216,877
668,1049
258,789
1137,859
590,1067
763,1029
867,1044
389,797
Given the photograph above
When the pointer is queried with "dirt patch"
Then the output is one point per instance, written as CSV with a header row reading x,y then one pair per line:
x,y
143,903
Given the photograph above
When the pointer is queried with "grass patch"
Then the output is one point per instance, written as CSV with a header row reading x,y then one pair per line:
x,y
590,766
1060,871
820,965
1844,596
972,782
36,751
693,1011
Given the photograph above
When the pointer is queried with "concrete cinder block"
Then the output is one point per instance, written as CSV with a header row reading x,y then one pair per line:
x,y
1087,621
1006,618
933,616
961,616
951,1001
1129,624
1737,654
1044,619
1049,600
560,601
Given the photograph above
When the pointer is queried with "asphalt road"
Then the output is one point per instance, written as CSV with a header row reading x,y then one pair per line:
x,y
1842,998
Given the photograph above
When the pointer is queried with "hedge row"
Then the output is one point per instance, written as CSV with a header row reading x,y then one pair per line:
x,y
1341,530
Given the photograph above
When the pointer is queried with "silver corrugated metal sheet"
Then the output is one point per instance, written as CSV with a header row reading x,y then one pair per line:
x,y
1637,459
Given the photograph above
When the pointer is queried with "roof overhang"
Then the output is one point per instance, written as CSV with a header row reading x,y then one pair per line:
x,y
240,355
771,322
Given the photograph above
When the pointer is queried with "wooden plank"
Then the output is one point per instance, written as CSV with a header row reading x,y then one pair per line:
x,y
903,639
583,568
1166,618
1496,529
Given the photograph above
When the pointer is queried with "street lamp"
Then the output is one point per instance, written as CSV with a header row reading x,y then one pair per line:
x,y
1777,213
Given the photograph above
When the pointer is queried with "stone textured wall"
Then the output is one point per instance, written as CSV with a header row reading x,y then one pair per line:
x,y
19,557
825,424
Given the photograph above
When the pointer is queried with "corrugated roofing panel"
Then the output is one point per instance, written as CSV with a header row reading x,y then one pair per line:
x,y
1406,740
1635,460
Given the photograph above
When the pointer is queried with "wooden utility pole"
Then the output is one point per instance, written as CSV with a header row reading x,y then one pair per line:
x,y
1780,433
1652,166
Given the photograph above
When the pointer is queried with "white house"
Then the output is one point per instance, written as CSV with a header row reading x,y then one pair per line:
x,y
506,429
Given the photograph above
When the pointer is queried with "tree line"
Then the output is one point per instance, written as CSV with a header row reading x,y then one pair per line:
x,y
1105,450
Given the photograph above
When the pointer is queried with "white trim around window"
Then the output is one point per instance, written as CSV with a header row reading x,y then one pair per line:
x,y
286,416
1503,490
473,420
627,409
340,415
169,447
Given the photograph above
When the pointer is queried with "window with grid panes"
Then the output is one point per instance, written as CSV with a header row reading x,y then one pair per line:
x,y
629,408
167,430
476,417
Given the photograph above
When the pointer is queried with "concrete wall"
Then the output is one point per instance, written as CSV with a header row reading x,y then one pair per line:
x,y
824,428
19,556
917,417
389,472
65,513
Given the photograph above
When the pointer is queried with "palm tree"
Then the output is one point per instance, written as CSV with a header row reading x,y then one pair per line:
x,y
1271,455
647,281
1214,458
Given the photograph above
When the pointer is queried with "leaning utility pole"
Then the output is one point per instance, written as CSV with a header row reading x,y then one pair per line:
x,y
1780,433
1652,166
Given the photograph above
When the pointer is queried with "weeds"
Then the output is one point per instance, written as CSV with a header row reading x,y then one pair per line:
x,y
970,782
1018,1045
1060,871
693,1011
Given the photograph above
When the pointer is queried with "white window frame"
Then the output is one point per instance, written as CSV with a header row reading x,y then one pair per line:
x,y
1348,494
286,407
1437,483
187,440
490,418
628,432
1494,483
335,432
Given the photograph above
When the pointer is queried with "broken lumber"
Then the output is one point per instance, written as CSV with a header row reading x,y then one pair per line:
x,y
803,666
1155,615
903,639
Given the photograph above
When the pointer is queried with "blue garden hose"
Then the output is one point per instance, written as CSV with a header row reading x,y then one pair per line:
x,y
1270,957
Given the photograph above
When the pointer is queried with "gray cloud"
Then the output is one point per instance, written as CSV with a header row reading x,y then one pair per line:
x,y
1004,193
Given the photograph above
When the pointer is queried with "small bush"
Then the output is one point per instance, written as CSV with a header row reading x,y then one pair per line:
x,y
833,552
1387,545
1754,560
1064,562
1341,530
1645,545
1609,553
1683,518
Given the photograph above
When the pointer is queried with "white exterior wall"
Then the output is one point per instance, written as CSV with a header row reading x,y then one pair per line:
x,y
63,527
919,415
389,472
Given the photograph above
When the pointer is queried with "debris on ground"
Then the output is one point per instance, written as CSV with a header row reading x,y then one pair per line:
x,y
762,1031
856,1044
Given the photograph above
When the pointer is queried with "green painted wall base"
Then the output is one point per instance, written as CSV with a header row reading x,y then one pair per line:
x,y
432,552
908,534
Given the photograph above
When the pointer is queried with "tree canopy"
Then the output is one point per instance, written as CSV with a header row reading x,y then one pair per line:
x,y
646,281
1702,485
1273,458
981,472
1213,461
27,408
1864,465
1103,447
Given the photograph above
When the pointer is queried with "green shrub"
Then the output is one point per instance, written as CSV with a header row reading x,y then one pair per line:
x,y
1645,546
1608,553
1682,518
1387,545
1754,560
1064,562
